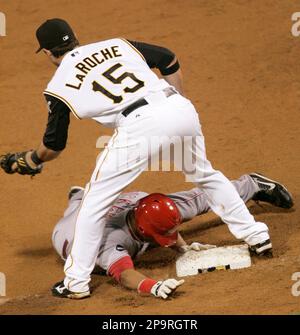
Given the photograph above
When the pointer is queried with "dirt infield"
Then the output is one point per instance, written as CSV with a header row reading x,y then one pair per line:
x,y
241,69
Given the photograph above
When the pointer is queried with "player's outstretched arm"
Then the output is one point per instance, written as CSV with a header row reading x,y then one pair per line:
x,y
45,154
135,280
131,278
56,134
123,272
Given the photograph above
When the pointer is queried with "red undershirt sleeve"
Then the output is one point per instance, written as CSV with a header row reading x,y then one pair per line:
x,y
115,269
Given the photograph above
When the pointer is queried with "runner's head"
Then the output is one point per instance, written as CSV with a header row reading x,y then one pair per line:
x,y
157,217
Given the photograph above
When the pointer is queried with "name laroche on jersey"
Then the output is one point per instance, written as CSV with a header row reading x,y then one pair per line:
x,y
92,61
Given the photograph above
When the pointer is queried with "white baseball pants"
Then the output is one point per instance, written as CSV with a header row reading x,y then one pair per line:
x,y
124,159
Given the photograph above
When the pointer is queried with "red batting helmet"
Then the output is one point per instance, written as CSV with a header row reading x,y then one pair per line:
x,y
158,217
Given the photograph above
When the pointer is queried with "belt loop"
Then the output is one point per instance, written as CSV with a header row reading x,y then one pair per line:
x,y
169,91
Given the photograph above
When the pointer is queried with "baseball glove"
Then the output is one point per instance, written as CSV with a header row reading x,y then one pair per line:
x,y
22,167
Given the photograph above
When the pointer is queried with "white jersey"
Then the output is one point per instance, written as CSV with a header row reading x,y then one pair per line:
x,y
100,80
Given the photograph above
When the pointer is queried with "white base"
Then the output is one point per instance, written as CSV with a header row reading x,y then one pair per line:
x,y
223,258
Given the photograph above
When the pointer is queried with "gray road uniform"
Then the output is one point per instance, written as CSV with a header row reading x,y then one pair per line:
x,y
118,242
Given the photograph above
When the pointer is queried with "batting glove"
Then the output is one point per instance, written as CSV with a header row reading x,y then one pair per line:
x,y
163,289
196,246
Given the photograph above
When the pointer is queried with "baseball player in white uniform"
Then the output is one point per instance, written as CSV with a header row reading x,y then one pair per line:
x,y
111,82
125,238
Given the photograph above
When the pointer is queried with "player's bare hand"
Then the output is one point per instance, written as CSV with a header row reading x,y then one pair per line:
x,y
196,246
163,289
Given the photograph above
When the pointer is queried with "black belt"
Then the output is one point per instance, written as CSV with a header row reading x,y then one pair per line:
x,y
134,106
142,102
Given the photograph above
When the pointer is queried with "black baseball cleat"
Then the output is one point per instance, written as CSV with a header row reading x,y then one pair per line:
x,y
271,191
74,190
59,290
263,249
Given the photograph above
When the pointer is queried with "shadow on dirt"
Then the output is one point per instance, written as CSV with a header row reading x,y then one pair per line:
x,y
37,252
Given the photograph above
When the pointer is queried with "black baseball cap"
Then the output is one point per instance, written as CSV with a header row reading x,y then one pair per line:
x,y
53,33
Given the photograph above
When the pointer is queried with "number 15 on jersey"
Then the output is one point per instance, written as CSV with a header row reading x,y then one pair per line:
x,y
108,74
